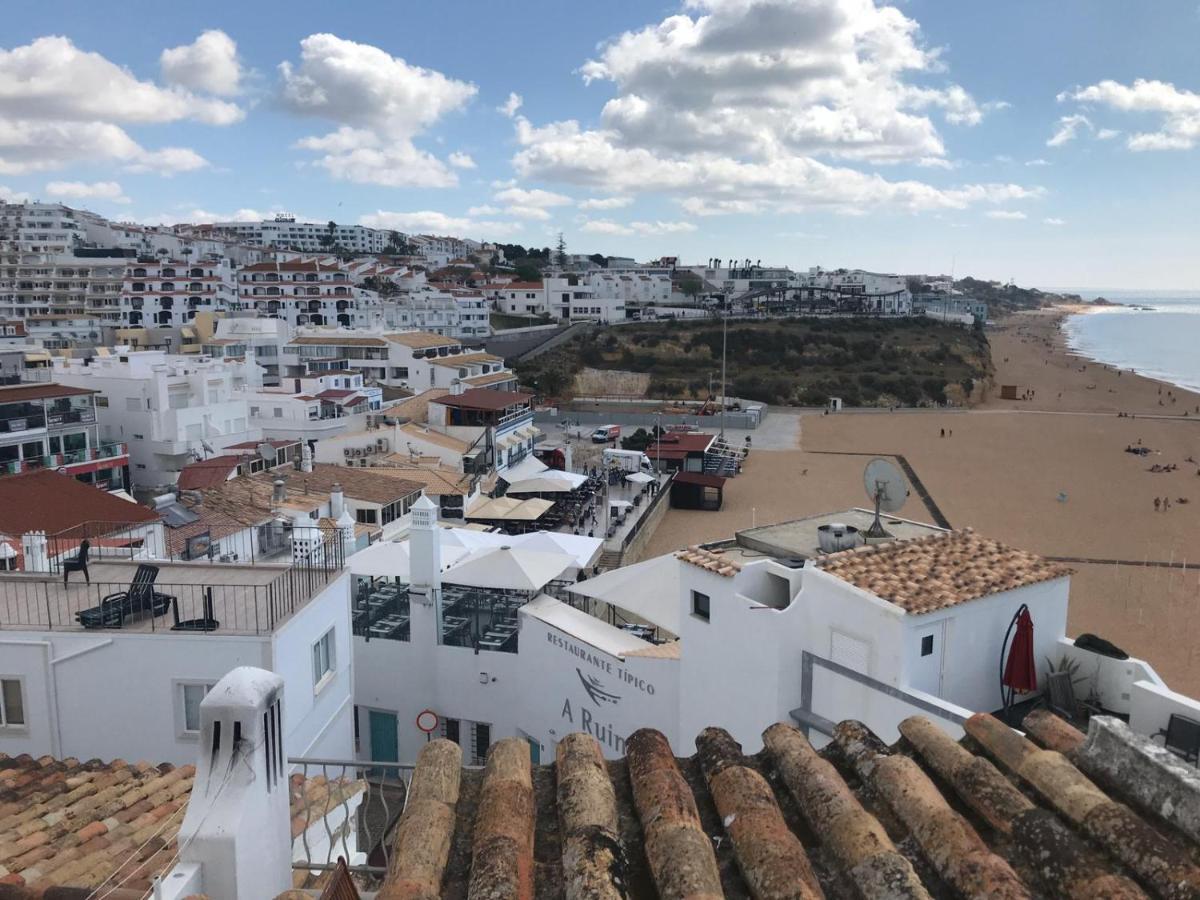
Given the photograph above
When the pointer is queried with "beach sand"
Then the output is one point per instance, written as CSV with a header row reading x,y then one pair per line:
x,y
1002,468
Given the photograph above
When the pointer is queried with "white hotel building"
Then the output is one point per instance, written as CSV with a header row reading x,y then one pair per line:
x,y
285,233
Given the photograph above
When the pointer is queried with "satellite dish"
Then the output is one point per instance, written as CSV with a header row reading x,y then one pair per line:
x,y
267,452
208,447
887,489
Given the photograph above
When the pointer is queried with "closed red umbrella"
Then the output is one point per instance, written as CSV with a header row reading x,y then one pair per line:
x,y
1020,671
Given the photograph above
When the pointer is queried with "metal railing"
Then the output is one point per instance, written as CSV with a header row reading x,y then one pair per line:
x,y
68,458
365,800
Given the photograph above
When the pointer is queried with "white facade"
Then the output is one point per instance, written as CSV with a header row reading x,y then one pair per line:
x,y
166,408
285,233
166,292
582,302
306,291
314,407
885,294
519,298
773,638
121,694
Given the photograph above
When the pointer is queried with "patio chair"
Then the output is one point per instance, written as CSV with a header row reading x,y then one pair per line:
x,y
1182,737
1061,696
79,563
139,597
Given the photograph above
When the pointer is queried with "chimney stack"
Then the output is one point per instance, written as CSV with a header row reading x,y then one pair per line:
x,y
278,491
337,501
306,461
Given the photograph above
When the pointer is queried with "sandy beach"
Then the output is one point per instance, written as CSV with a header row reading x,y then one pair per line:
x,y
1049,474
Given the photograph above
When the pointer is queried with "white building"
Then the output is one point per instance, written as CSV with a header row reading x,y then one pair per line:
x,y
518,298
415,360
313,291
314,407
265,338
496,425
440,249
870,291
767,628
170,292
285,233
580,299
134,692
167,409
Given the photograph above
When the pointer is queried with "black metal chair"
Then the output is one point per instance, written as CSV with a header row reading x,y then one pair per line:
x,y
1182,737
138,598
79,563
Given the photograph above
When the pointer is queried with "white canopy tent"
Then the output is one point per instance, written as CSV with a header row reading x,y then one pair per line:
x,y
391,559
508,568
585,550
543,484
648,589
639,478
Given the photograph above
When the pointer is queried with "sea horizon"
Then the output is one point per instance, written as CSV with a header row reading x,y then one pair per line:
x,y
1152,333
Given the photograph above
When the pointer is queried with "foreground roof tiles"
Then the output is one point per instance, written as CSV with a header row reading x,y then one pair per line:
x,y
931,573
929,817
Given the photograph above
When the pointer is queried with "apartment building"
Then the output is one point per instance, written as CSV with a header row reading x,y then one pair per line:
x,y
54,426
872,291
170,292
518,298
169,409
314,406
306,292
416,360
579,298
439,250
235,336
496,425
79,282
285,233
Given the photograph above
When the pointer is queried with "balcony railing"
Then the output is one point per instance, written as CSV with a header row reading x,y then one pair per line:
x,y
68,458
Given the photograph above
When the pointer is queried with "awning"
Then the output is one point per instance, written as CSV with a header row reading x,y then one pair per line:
x,y
187,331
639,478
649,589
543,484
391,559
511,509
508,568
38,356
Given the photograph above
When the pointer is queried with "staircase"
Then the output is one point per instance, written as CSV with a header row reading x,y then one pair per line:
x,y
610,559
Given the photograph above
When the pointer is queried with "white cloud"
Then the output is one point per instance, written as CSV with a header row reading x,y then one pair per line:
x,y
1053,221
199,216
1006,214
527,203
61,105
606,203
461,160
1068,129
608,226
1107,134
8,195
380,103
1037,162
1178,111
80,190
510,106
750,100
210,63
484,210
431,221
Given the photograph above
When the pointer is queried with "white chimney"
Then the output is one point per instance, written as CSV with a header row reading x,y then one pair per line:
x,y
236,838
33,546
306,458
337,502
278,491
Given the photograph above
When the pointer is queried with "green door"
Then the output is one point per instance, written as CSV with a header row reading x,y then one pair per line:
x,y
385,741
535,751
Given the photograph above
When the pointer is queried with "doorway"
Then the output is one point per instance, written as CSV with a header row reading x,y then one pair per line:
x,y
928,658
385,737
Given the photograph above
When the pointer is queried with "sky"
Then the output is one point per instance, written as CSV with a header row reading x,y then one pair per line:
x,y
1056,144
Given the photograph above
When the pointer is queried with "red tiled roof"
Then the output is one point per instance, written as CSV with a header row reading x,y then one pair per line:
x,y
484,399
20,392
47,501
206,473
693,442
700,478
277,443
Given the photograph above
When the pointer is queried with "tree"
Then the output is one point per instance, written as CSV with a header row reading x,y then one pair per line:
x,y
599,259
690,285
560,251
330,235
528,272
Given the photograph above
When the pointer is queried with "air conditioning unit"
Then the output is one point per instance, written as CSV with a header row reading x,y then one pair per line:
x,y
382,445
369,450
347,451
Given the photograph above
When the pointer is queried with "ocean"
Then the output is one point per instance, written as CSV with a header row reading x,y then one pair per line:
x,y
1154,335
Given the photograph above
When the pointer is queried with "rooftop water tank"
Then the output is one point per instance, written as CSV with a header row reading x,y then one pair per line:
x,y
835,536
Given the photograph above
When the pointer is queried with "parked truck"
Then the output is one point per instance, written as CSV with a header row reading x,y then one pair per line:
x,y
627,460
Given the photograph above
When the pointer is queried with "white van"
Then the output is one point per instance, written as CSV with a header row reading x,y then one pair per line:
x,y
606,434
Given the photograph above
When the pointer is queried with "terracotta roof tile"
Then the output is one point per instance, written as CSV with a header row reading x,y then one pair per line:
x,y
712,560
421,340
931,573
72,823
46,501
788,822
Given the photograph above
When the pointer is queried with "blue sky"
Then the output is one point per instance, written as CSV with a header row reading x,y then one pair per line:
x,y
1053,143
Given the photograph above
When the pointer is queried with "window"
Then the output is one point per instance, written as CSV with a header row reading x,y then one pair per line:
x,y
700,605
481,735
277,412
927,645
12,704
101,401
133,404
365,516
190,696
450,729
323,661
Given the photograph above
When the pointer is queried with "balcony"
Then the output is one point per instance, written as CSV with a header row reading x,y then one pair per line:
x,y
109,451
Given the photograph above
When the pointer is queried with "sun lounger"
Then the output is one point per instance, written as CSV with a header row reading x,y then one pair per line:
x,y
140,597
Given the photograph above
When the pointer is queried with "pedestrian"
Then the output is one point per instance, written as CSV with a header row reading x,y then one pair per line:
x,y
1156,504
943,432
1166,503
951,432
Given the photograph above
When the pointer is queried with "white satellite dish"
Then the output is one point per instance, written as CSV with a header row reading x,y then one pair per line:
x,y
208,447
268,452
887,489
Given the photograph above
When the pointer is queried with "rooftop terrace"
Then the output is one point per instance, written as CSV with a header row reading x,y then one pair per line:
x,y
220,598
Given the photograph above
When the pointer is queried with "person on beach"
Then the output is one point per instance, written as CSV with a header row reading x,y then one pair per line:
x,y
1157,502
943,432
